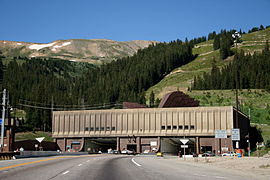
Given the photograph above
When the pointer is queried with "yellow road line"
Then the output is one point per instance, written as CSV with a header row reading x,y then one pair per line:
x,y
23,164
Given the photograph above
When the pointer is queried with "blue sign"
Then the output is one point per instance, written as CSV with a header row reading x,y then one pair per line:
x,y
1,121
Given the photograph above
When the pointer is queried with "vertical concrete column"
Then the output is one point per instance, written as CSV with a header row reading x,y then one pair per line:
x,y
65,144
197,145
159,144
118,144
138,142
82,144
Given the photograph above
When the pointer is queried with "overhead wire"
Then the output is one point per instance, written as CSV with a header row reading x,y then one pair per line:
x,y
33,103
72,108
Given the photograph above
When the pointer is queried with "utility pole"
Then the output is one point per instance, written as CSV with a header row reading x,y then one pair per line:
x,y
52,111
3,119
235,36
248,135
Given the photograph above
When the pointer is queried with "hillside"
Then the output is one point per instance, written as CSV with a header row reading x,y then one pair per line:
x,y
181,78
255,101
95,51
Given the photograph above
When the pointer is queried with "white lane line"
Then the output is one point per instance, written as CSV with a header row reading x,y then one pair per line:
x,y
66,172
220,177
79,164
87,160
135,162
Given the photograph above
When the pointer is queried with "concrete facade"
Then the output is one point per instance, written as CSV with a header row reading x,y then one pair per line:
x,y
141,128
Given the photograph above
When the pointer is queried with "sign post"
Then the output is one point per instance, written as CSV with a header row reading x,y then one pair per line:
x,y
184,141
236,136
3,120
40,139
220,134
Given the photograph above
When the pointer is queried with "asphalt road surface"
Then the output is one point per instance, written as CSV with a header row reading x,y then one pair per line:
x,y
110,167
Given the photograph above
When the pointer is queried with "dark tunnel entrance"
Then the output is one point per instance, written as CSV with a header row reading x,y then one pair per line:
x,y
96,145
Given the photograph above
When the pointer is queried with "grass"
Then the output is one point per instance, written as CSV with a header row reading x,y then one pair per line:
x,y
250,100
32,135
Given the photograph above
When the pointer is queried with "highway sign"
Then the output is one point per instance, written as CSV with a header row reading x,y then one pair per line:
x,y
236,134
184,141
1,121
184,146
220,134
40,139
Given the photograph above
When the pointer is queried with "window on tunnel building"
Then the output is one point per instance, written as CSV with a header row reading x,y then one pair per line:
x,y
192,127
169,127
113,128
180,127
91,129
108,128
174,127
186,126
162,127
86,129
102,128
97,128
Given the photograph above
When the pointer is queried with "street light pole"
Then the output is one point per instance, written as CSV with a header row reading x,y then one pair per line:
x,y
3,120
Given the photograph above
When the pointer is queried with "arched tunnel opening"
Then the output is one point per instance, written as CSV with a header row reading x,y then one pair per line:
x,y
173,146
95,145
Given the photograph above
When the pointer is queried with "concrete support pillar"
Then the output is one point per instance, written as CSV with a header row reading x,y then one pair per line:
x,y
118,144
159,144
65,144
82,144
197,145
138,142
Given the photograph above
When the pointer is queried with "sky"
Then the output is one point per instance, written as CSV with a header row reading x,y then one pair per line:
x,y
44,21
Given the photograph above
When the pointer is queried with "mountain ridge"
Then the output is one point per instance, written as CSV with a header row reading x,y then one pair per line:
x,y
95,51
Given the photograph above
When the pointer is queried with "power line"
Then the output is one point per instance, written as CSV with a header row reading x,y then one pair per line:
x,y
64,105
64,108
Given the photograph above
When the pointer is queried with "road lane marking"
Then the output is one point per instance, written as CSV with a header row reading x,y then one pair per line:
x,y
66,172
220,177
27,163
135,162
23,164
79,164
87,160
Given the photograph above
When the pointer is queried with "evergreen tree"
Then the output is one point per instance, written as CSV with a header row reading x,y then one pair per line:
x,y
216,43
152,99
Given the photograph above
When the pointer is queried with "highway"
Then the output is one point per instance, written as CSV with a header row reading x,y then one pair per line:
x,y
110,167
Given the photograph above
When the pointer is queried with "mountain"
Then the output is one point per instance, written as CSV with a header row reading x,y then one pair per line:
x,y
95,51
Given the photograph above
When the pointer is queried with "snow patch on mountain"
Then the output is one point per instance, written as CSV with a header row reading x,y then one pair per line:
x,y
62,45
40,46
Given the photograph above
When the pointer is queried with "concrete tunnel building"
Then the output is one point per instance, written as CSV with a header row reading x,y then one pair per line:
x,y
149,129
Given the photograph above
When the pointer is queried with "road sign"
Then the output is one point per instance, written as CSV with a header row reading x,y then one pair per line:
x,y
220,134
1,121
236,134
40,139
184,146
184,141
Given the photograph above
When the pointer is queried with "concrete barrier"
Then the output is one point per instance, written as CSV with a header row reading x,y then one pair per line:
x,y
7,155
